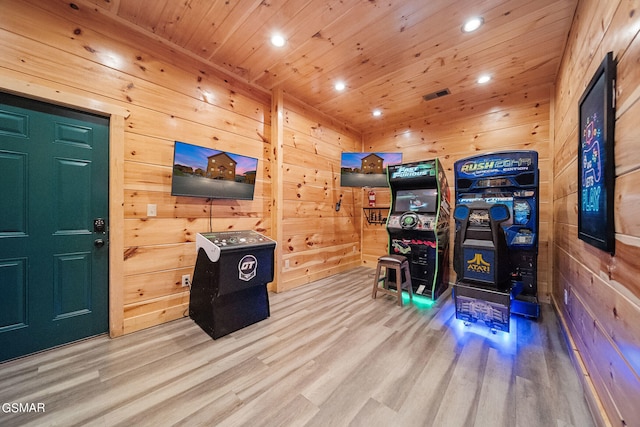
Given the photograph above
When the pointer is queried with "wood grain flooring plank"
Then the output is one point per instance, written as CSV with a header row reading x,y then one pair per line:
x,y
296,413
497,405
193,391
460,401
329,355
374,414
560,368
339,361
534,407
272,400
443,312
426,395
407,358
531,363
212,413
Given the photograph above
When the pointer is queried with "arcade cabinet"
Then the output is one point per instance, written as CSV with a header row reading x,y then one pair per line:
x,y
418,223
496,241
229,286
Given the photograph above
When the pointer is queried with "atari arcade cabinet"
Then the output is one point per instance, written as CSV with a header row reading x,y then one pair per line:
x,y
418,223
496,242
229,288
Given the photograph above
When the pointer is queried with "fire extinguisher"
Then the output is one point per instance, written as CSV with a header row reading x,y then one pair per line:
x,y
372,198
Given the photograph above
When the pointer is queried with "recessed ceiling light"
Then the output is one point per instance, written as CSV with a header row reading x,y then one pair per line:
x,y
277,40
377,113
472,24
484,79
339,86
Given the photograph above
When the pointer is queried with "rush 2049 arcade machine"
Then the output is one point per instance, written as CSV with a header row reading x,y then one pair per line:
x,y
418,223
496,242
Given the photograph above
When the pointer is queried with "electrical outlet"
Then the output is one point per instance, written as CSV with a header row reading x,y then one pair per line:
x,y
186,280
152,209
286,263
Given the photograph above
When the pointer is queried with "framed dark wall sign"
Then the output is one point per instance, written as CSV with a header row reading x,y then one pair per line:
x,y
596,169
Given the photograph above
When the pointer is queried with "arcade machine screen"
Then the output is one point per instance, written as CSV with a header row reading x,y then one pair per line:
x,y
469,199
520,213
418,200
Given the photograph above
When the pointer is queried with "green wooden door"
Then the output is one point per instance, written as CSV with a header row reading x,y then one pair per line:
x,y
53,183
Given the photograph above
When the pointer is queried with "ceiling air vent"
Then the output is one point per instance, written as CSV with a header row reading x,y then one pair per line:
x,y
437,94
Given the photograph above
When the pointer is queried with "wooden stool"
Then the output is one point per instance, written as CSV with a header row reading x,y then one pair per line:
x,y
399,263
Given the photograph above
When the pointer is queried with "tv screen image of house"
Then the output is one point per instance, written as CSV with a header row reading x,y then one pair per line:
x,y
366,169
419,200
214,174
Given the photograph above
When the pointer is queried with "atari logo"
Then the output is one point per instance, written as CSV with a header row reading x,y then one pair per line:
x,y
479,265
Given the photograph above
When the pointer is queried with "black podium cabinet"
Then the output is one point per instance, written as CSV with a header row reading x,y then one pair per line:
x,y
229,286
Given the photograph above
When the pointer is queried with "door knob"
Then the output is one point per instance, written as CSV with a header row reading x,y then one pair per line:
x,y
98,243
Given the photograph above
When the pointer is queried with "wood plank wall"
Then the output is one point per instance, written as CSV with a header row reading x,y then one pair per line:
x,y
317,240
514,121
603,292
171,97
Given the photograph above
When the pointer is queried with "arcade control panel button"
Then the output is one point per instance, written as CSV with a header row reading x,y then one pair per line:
x,y
409,221
214,242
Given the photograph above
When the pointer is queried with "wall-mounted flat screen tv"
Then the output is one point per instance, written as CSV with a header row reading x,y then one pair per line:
x,y
366,169
214,174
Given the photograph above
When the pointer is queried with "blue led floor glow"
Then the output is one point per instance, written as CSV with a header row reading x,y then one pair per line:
x,y
500,338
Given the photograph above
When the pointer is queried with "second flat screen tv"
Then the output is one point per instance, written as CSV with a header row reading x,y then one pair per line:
x,y
366,169
214,174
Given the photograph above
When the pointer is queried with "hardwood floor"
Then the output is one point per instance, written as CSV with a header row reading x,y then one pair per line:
x,y
329,355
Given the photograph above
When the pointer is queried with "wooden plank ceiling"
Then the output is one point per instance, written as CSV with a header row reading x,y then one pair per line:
x,y
388,53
